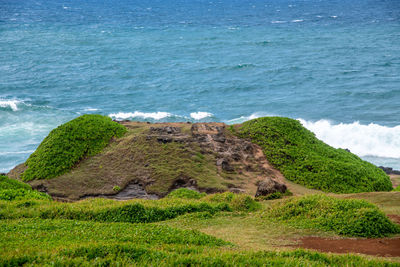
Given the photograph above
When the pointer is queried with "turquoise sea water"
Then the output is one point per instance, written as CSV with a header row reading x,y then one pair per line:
x,y
333,64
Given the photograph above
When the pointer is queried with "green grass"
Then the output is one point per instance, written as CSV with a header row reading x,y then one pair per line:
x,y
133,211
397,189
305,160
11,189
171,161
69,143
65,242
105,232
347,217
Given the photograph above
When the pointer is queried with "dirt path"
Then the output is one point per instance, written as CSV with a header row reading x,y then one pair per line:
x,y
385,247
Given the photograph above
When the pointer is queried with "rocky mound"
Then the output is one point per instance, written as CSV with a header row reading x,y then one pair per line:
x,y
151,160
94,156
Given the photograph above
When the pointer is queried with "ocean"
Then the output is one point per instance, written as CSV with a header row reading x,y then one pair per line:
x,y
332,64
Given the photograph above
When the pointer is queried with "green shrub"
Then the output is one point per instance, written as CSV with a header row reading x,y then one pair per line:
x,y
7,183
133,211
66,145
305,160
20,194
348,217
11,189
397,189
239,202
275,195
186,193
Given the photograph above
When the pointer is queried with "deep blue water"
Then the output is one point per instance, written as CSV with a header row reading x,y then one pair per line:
x,y
333,64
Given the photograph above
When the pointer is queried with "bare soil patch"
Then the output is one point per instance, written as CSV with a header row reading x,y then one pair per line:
x,y
384,247
395,218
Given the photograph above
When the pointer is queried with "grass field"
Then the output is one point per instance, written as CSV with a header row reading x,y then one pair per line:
x,y
186,228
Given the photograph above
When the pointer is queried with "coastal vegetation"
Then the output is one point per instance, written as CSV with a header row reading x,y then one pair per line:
x,y
69,143
305,160
347,217
11,189
147,232
198,219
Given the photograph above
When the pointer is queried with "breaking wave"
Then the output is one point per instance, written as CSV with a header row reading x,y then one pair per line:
x,y
363,140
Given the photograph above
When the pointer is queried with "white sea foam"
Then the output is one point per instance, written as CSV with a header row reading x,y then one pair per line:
x,y
362,140
90,109
13,104
297,20
16,152
247,118
200,115
278,21
137,114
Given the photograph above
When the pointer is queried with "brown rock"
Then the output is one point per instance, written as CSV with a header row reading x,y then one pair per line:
x,y
269,186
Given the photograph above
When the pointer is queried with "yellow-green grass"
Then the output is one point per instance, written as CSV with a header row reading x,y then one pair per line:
x,y
222,229
41,242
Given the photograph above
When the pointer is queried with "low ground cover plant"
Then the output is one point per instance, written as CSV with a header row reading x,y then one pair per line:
x,y
11,189
305,160
66,145
186,193
348,217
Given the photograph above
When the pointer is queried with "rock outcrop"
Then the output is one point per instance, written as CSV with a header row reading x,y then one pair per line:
x,y
270,186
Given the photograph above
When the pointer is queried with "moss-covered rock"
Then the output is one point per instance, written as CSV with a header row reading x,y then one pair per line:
x,y
305,160
66,145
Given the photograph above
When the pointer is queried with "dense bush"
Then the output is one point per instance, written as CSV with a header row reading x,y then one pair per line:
x,y
305,160
7,183
348,217
11,189
66,145
21,194
186,193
